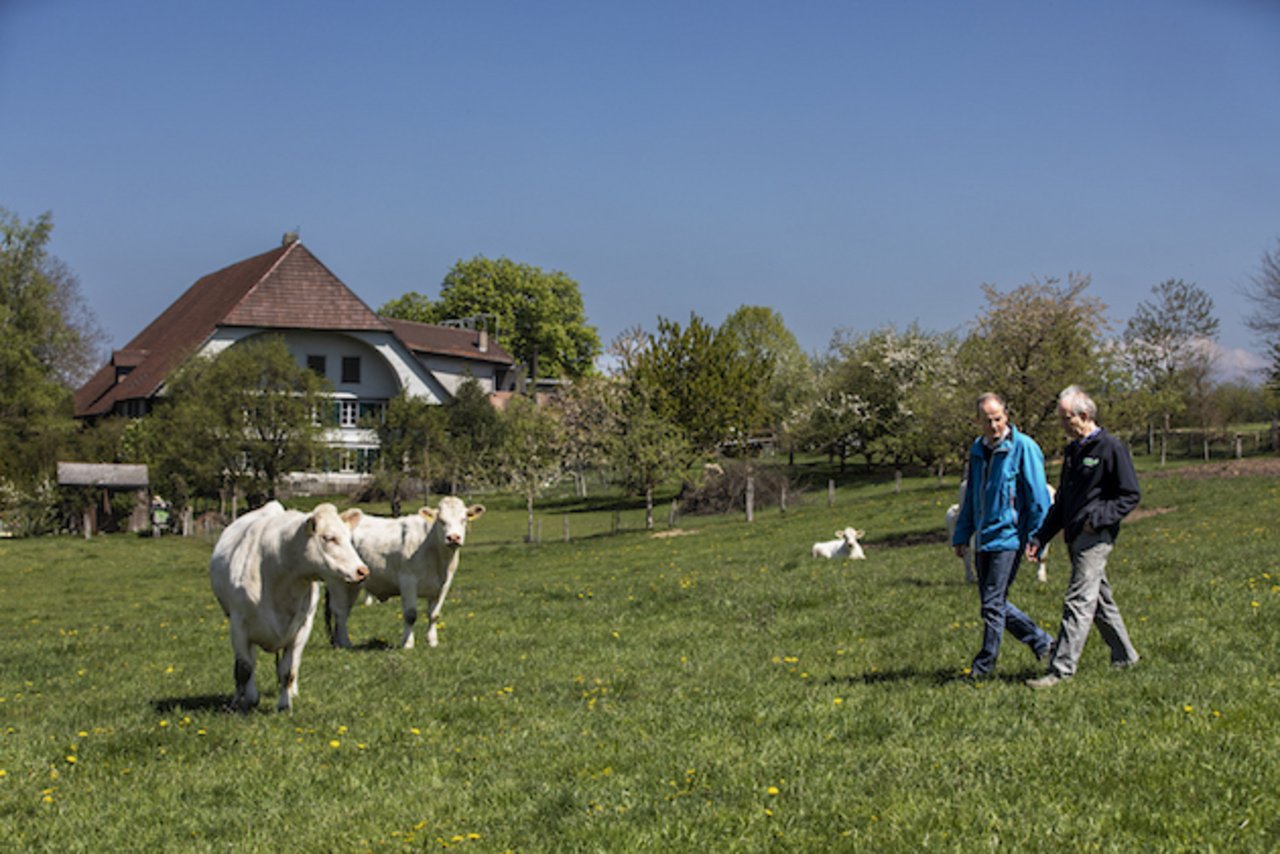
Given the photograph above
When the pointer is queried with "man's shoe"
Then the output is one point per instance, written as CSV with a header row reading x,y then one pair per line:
x,y
1124,665
1046,681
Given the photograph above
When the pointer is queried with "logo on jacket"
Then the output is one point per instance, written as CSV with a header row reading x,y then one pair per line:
x,y
1090,462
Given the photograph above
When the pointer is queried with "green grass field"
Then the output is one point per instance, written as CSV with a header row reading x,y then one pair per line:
x,y
716,690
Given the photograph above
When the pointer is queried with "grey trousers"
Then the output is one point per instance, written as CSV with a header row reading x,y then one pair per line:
x,y
1089,602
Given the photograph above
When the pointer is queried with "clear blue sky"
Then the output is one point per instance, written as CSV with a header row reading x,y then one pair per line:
x,y
849,164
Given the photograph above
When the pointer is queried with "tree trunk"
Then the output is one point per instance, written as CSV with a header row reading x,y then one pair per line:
x,y
528,503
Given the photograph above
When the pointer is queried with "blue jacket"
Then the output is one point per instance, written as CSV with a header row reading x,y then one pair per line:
x,y
1006,498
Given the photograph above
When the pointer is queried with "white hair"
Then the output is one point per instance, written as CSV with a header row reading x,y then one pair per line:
x,y
1078,402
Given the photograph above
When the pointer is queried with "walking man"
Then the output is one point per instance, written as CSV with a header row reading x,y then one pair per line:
x,y
1099,488
1004,503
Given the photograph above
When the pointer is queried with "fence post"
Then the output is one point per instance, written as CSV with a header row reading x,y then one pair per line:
x,y
671,517
1239,447
831,492
897,480
782,500
566,527
751,498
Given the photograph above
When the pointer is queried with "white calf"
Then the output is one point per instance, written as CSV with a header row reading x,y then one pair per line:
x,y
846,546
407,557
264,571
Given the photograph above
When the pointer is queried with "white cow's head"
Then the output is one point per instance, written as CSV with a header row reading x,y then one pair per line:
x,y
329,542
452,517
850,537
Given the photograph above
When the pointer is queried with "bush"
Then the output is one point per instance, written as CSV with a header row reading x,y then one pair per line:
x,y
29,513
725,490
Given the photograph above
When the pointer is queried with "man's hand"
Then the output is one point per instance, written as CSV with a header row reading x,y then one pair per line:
x,y
961,550
1033,549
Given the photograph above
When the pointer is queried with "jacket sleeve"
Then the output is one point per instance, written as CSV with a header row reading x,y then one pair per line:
x,y
1110,510
1052,523
1034,497
964,522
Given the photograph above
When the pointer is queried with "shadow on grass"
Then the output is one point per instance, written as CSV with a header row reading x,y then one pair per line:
x,y
201,703
936,678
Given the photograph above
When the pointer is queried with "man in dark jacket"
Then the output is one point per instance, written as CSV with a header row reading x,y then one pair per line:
x,y
1098,488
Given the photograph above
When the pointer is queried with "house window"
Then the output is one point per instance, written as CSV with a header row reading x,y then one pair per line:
x,y
351,369
348,413
316,364
346,460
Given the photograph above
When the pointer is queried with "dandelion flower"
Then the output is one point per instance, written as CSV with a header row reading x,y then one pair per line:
x,y
71,760
335,744
773,790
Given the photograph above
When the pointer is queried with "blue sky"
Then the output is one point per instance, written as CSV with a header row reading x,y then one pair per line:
x,y
849,164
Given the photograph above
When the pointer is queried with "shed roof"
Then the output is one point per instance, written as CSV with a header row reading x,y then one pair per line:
x,y
114,475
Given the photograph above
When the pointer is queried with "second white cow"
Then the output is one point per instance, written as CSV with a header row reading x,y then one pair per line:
x,y
846,546
409,557
953,513
264,571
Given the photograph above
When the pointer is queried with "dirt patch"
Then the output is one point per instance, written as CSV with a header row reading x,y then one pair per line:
x,y
1147,513
674,532
1252,467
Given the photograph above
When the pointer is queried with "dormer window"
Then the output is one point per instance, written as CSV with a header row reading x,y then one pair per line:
x,y
316,364
351,369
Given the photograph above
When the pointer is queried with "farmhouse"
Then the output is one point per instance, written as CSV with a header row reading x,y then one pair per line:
x,y
289,292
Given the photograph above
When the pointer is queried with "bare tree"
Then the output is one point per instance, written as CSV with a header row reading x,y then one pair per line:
x,y
1265,296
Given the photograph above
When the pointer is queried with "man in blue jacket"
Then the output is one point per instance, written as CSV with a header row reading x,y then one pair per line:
x,y
1004,504
1098,488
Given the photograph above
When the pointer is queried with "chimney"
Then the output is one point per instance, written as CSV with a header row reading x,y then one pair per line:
x,y
289,237
484,341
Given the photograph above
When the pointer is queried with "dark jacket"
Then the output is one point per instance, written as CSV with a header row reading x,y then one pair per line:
x,y
1098,486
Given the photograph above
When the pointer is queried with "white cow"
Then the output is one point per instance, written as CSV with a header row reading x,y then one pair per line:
x,y
264,571
407,557
953,513
845,546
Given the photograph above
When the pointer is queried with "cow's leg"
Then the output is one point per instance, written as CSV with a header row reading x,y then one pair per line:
x,y
1042,574
341,599
409,606
246,696
436,607
288,662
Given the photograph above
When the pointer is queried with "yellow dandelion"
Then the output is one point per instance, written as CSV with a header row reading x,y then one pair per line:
x,y
773,790
164,723
473,836
415,730
335,744
838,701
342,730
71,760
1188,709
3,773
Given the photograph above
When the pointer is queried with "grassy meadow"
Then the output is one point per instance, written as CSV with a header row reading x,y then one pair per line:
x,y
712,688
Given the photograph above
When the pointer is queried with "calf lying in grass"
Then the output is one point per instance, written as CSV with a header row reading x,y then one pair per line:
x,y
846,546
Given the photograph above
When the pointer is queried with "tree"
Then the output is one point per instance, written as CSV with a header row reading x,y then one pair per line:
x,y
539,316
47,343
410,440
531,447
645,449
588,411
1168,344
763,338
243,418
1032,342
474,436
1264,293
699,380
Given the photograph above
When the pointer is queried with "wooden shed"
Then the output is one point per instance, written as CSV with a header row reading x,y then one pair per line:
x,y
109,478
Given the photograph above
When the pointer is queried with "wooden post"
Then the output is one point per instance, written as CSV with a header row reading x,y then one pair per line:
x,y
1239,447
751,498
1206,446
782,500
897,480
87,521
831,493
671,517
566,527
616,521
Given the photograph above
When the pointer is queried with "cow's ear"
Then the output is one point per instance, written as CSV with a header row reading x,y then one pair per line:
x,y
859,534
428,513
352,517
475,511
840,533
311,524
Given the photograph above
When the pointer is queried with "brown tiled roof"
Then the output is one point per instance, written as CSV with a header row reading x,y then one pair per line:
x,y
428,339
285,288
